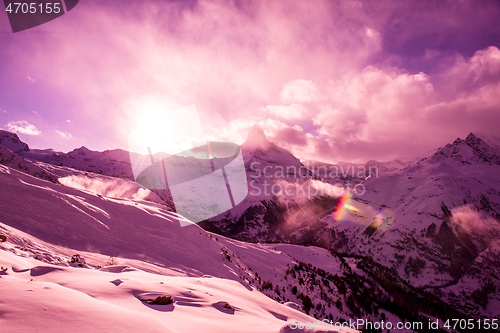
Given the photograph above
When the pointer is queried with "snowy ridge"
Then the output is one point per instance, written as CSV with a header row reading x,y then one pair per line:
x,y
13,160
115,163
104,301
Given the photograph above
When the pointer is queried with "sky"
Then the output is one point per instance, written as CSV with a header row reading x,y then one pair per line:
x,y
333,81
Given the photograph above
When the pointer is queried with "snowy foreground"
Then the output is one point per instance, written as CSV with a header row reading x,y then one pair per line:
x,y
46,288
51,298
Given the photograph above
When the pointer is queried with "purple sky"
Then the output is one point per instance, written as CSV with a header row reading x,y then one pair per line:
x,y
329,80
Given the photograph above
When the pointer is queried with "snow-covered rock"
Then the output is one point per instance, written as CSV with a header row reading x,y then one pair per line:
x,y
12,142
15,161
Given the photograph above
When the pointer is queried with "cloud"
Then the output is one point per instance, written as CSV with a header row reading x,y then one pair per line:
x,y
3,111
224,57
298,91
385,113
64,135
287,112
333,122
291,136
337,80
237,130
23,127
476,223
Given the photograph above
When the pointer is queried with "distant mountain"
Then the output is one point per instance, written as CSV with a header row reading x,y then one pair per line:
x,y
257,148
356,172
107,173
114,163
440,216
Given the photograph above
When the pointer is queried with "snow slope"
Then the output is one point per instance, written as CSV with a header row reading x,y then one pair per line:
x,y
46,224
60,299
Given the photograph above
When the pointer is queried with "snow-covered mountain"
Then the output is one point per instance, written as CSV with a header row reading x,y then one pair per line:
x,y
436,222
441,217
72,258
105,173
431,220
11,141
114,163
284,196
421,241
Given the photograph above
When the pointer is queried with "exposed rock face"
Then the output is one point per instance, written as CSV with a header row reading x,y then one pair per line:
x,y
15,161
11,141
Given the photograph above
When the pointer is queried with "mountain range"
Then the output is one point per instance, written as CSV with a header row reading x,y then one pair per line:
x,y
410,240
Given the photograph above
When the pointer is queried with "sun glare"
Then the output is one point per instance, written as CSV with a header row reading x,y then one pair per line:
x,y
159,130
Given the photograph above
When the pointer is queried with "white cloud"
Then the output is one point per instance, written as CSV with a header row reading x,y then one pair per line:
x,y
3,111
298,91
23,127
31,79
333,123
64,135
372,33
292,111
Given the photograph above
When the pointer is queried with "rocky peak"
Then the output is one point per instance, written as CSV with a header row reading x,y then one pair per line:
x,y
257,148
12,142
80,151
256,137
258,143
474,141
471,150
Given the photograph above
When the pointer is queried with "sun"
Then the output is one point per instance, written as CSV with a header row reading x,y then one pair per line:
x,y
158,130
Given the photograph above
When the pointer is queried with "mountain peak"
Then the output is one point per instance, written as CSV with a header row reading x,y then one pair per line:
x,y
258,148
11,141
80,151
257,138
473,140
257,134
471,136
472,149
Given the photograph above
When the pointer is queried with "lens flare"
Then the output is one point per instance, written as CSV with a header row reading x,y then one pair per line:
x,y
349,209
378,219
343,207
